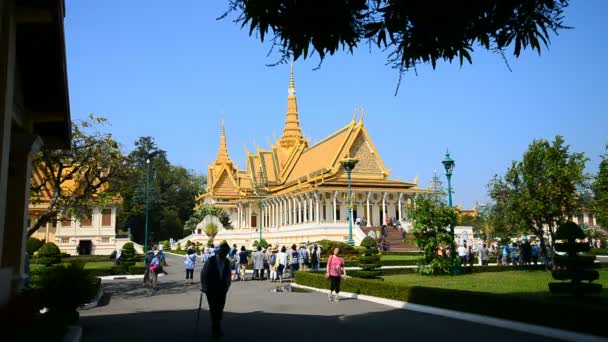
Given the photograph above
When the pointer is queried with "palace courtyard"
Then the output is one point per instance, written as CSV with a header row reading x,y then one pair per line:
x,y
128,312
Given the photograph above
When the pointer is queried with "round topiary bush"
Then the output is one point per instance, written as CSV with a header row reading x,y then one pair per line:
x,y
178,247
368,242
262,243
128,251
33,245
49,249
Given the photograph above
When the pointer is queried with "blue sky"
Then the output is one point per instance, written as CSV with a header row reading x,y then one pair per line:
x,y
168,71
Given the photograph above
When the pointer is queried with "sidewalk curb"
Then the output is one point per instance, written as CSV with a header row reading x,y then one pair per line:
x,y
95,301
125,277
470,317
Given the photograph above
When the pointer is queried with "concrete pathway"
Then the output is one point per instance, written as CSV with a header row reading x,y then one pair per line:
x,y
128,312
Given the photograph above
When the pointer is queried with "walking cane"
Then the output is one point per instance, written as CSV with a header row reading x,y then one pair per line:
x,y
198,315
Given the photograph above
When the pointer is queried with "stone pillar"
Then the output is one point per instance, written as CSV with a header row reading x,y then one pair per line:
x,y
23,149
289,219
310,208
8,29
399,207
383,209
295,210
335,197
305,206
368,218
318,216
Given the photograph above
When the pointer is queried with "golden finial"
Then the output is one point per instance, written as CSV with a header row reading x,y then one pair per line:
x,y
292,82
362,114
355,115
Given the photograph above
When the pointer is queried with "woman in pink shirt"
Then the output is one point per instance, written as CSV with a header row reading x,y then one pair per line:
x,y
335,271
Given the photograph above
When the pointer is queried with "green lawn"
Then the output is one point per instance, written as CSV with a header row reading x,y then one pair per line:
x,y
99,265
400,257
512,282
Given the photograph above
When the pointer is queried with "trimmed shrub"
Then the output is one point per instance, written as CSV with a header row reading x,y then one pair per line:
x,y
166,245
262,243
33,245
209,243
178,247
368,242
128,252
360,250
327,247
137,269
557,311
67,288
49,249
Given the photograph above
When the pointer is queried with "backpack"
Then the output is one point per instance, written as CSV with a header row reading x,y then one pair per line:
x,y
294,257
273,259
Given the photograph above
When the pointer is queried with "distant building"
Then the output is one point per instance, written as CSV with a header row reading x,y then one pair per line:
x,y
95,233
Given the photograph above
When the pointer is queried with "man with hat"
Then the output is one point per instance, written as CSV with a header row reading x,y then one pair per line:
x,y
215,282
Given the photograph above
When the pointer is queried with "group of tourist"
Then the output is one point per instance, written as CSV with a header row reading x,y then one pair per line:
x,y
154,262
271,263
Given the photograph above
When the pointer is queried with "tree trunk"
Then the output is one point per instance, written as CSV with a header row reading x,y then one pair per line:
x,y
42,220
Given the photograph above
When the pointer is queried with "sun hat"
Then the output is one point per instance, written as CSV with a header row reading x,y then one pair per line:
x,y
275,249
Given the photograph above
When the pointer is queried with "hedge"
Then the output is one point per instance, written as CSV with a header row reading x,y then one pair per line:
x,y
598,251
554,311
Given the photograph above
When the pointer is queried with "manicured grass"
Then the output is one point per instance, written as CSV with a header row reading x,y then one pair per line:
x,y
98,265
514,282
516,295
400,257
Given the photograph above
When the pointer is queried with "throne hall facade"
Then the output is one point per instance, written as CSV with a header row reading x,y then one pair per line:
x,y
295,193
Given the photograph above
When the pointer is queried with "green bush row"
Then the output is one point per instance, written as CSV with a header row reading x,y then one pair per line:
x,y
598,251
550,311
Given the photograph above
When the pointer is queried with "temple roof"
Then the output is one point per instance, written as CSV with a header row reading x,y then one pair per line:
x,y
291,162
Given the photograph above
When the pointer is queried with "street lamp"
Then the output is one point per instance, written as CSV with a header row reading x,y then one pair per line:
x,y
348,164
147,186
449,164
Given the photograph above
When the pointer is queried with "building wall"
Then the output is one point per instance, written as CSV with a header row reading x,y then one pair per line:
x,y
101,234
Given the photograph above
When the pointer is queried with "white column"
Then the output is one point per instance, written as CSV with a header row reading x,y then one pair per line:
x,y
317,212
310,208
272,223
250,211
368,218
281,212
304,202
383,209
296,206
335,197
289,212
238,216
399,207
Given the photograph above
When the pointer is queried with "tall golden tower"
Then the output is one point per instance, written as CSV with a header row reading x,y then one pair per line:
x,y
222,153
292,133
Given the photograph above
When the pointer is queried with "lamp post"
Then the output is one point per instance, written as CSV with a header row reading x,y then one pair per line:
x,y
147,187
348,164
449,164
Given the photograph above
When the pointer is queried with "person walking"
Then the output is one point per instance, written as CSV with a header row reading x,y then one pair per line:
x,y
215,283
147,261
484,255
155,268
462,253
294,261
190,262
282,263
273,263
534,253
314,258
303,258
258,263
233,257
243,262
334,272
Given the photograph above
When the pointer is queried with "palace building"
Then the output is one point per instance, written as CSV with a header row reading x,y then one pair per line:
x,y
296,192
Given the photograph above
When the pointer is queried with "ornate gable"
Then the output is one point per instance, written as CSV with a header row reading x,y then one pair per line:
x,y
368,159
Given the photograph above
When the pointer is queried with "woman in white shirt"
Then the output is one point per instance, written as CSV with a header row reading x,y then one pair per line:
x,y
282,258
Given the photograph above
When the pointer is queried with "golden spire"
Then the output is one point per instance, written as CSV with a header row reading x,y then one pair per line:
x,y
222,153
292,133
355,115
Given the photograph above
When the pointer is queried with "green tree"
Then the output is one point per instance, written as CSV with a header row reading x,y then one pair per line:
x,y
431,219
203,211
412,32
541,190
600,192
70,182
171,193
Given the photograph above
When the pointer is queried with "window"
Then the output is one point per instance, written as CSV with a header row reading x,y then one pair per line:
x,y
337,213
65,240
66,221
87,218
106,217
254,221
105,239
54,223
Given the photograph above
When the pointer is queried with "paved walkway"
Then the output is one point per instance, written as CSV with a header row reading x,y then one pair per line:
x,y
129,312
